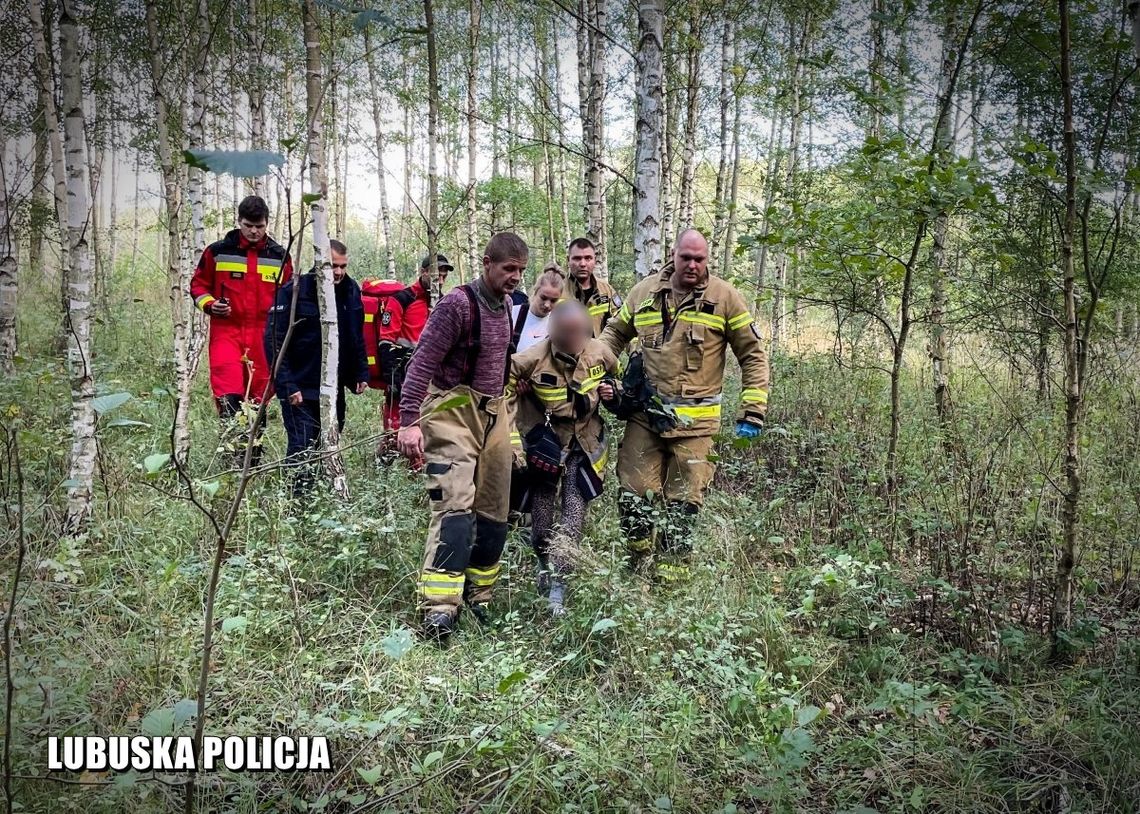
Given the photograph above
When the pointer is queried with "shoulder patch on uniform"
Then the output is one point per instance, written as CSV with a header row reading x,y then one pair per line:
x,y
617,301
596,370
603,298
756,331
386,319
547,379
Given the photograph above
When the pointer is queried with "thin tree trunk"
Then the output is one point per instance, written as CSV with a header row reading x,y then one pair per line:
x,y
257,120
326,293
46,95
692,111
113,208
647,164
591,91
875,69
9,266
795,115
378,125
557,113
474,8
432,135
672,96
84,448
724,106
1070,508
734,183
41,197
771,171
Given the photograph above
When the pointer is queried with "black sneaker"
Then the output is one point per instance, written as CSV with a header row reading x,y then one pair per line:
x,y
438,625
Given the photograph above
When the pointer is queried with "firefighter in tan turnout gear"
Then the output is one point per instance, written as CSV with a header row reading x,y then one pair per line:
x,y
454,420
684,321
558,384
599,297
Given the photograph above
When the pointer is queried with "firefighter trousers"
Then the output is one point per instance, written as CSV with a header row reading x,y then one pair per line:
x,y
467,457
653,468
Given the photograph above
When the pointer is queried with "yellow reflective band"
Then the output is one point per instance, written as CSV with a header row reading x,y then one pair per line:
x,y
205,300
643,546
229,265
369,317
754,395
624,314
709,320
551,395
600,464
371,360
596,310
441,585
740,321
698,411
672,573
483,577
650,318
268,273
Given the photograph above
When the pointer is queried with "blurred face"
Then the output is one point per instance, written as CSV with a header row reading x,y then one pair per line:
x,y
569,332
690,262
503,277
253,230
542,302
425,277
339,265
582,262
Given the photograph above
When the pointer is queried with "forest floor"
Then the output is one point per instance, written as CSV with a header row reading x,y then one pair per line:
x,y
831,653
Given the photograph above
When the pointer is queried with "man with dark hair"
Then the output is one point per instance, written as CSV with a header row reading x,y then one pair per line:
x,y
298,378
599,297
234,285
453,417
685,321
402,320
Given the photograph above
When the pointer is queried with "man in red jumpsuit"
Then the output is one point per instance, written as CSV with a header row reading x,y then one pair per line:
x,y
400,327
234,284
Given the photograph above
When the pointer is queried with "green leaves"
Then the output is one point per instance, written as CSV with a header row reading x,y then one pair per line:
x,y
397,644
453,403
239,163
602,625
509,681
234,624
156,462
107,403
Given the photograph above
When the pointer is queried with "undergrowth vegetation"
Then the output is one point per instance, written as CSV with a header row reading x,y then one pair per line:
x,y
828,654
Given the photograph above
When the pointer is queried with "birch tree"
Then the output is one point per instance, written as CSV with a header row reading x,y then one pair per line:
x,y
592,97
474,10
9,263
432,141
326,293
647,195
380,145
78,319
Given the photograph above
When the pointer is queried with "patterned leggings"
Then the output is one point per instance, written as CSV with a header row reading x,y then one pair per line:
x,y
556,544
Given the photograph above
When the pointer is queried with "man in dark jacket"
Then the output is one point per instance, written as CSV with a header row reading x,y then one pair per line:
x,y
298,377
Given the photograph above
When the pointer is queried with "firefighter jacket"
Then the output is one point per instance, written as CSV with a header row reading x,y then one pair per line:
x,y
300,366
602,301
248,276
407,315
566,392
684,349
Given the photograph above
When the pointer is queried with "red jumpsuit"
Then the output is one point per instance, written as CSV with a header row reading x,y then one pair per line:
x,y
402,324
248,275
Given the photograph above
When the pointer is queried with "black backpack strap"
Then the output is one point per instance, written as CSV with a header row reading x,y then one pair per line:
x,y
517,329
474,332
405,297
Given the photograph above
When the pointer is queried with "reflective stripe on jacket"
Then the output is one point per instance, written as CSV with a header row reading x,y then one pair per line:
x,y
685,347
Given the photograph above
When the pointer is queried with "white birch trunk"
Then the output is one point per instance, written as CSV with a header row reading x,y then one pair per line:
x,y
257,119
380,146
182,311
9,265
647,200
734,182
475,11
326,293
84,448
689,160
722,167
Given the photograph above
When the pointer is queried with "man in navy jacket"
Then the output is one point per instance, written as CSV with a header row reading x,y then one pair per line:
x,y
298,377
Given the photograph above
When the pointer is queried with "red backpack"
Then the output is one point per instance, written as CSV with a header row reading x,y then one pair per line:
x,y
381,318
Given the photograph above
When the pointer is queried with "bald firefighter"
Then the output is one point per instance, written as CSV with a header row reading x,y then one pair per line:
x,y
685,320
599,297
454,421
557,385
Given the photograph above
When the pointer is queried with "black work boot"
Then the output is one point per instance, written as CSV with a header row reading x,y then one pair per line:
x,y
438,625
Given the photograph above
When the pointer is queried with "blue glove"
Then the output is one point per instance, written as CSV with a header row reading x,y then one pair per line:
x,y
746,429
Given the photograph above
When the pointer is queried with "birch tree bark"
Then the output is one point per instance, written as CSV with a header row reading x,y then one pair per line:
x,y
177,264
326,294
592,96
195,177
84,448
722,168
9,265
46,101
380,143
474,12
258,126
734,182
647,195
795,116
432,140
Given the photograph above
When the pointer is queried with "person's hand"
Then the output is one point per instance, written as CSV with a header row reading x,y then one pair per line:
x,y
220,308
606,391
360,388
746,429
410,443
519,462
522,386
295,399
